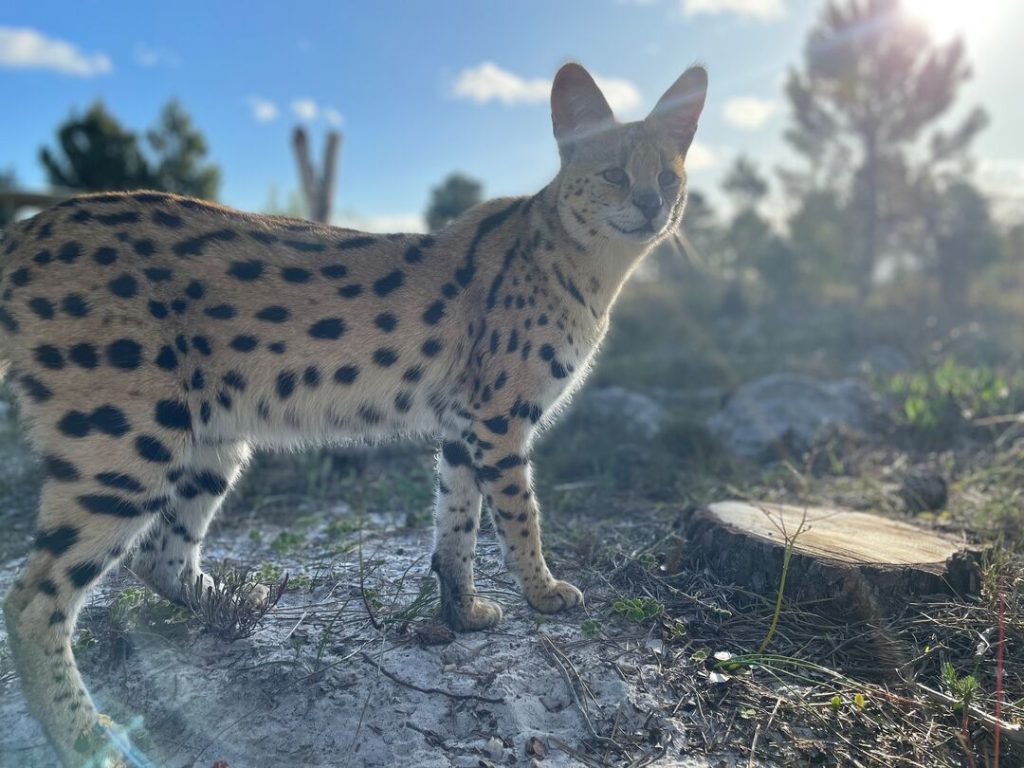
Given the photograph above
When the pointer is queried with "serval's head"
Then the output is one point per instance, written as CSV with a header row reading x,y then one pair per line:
x,y
622,181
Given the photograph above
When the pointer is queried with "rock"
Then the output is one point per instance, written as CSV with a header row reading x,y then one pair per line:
x,y
924,491
786,414
637,410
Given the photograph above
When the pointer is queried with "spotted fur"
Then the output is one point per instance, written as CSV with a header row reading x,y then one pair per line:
x,y
154,341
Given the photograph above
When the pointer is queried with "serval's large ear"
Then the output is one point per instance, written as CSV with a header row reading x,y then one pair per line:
x,y
678,111
578,108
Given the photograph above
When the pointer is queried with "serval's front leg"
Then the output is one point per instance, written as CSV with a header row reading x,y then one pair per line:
x,y
498,452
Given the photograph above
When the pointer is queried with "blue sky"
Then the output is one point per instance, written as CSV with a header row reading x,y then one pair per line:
x,y
423,88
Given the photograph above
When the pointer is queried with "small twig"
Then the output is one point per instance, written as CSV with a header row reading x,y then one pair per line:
x,y
557,656
405,683
757,733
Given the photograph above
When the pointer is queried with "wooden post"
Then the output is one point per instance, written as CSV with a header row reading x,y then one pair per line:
x,y
318,191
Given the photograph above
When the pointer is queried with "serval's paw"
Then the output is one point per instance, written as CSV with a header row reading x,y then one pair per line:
x,y
554,596
471,614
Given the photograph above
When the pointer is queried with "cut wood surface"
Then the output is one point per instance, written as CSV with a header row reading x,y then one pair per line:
x,y
851,537
866,566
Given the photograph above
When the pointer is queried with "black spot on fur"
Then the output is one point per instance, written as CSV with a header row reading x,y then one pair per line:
x,y
334,271
47,587
273,314
346,374
434,313
194,290
114,219
42,307
204,412
558,370
84,355
49,356
166,358
403,402
431,347
385,357
202,345
278,347
456,454
21,277
125,354
198,379
60,469
262,237
151,449
108,504
121,481
286,384
178,306
328,328
413,255
386,321
158,274
390,282
58,540
104,255
42,258
246,270
145,248
124,286
296,275
173,414
244,343
74,305
412,375
69,252
110,420
350,291
498,425
169,220
370,415
158,309
303,247
35,389
84,573
546,352
210,482
220,312
234,380
8,321
356,242
193,246
311,377
181,343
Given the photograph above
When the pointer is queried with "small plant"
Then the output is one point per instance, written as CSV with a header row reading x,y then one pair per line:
x,y
268,573
124,611
942,401
590,629
235,604
963,689
639,609
286,541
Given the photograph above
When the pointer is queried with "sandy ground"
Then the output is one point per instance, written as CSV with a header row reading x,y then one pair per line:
x,y
318,685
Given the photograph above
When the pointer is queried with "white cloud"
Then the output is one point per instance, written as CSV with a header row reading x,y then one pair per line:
x,y
263,110
388,222
333,117
147,56
756,9
25,48
700,157
749,112
305,109
489,82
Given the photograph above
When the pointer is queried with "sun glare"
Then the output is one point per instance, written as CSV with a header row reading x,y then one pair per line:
x,y
945,19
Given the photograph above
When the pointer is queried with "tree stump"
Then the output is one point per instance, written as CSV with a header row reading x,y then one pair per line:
x,y
862,565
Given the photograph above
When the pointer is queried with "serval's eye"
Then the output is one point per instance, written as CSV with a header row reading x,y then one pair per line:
x,y
616,176
668,178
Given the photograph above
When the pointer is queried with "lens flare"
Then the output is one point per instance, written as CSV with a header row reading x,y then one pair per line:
x,y
946,19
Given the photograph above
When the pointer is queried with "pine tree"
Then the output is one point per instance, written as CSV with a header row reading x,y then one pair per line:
x,y
455,195
872,84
